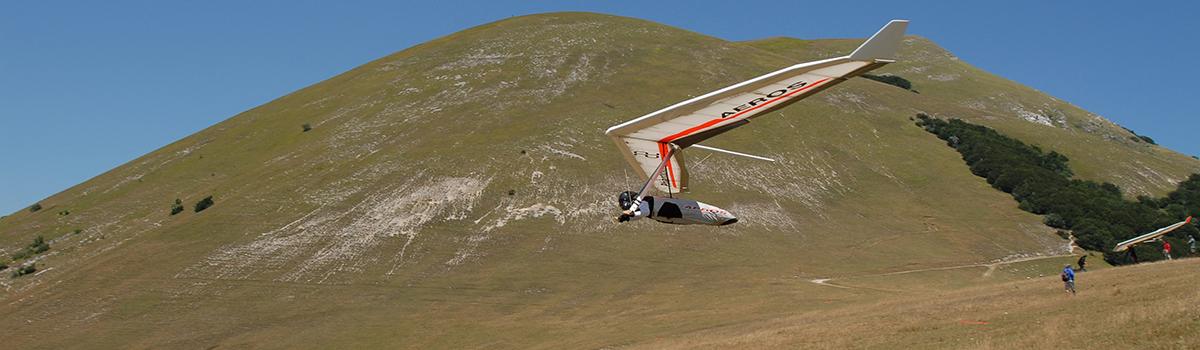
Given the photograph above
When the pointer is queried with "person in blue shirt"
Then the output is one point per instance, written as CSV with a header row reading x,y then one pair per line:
x,y
1068,277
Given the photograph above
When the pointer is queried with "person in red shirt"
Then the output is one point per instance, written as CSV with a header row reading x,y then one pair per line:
x,y
1167,249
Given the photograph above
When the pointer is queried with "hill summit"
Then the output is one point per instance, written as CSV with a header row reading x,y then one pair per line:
x,y
460,193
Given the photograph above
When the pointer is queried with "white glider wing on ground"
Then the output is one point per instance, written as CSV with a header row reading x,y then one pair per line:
x,y
1150,236
646,140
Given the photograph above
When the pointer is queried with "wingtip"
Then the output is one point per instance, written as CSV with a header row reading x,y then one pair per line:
x,y
884,44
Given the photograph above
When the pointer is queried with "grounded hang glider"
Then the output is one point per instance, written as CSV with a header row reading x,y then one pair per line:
x,y
1150,236
652,144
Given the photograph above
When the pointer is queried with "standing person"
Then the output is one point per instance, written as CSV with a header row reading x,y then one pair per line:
x,y
1167,249
1082,263
1068,277
1192,243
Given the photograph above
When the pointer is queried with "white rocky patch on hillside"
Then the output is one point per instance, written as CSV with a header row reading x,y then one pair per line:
x,y
943,77
484,55
574,208
912,50
512,213
557,62
847,101
915,69
155,162
804,178
976,105
332,240
1039,116
561,149
769,216
1143,179
345,187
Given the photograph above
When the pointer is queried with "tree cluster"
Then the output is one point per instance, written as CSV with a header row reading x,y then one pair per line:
x,y
1096,213
1139,138
889,79
38,246
178,207
204,204
26,269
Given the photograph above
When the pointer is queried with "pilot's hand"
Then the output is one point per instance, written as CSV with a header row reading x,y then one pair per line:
x,y
622,218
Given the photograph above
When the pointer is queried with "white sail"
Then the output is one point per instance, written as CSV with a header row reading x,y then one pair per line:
x,y
645,140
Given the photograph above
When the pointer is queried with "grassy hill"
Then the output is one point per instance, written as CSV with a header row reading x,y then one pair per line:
x,y
1100,149
459,193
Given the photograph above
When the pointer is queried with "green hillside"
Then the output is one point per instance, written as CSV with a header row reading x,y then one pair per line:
x,y
1099,149
459,193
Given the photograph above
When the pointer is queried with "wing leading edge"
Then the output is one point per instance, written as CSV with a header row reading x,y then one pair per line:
x,y
1150,236
645,140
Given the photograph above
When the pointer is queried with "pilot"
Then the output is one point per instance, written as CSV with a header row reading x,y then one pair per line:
x,y
625,200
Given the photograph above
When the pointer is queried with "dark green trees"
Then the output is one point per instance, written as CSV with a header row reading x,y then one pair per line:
x,y
178,207
204,204
24,270
889,79
1041,182
38,246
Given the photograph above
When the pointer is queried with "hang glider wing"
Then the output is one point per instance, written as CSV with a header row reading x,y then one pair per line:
x,y
1150,236
645,140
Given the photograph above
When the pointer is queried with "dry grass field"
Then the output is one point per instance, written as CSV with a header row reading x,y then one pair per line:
x,y
1148,306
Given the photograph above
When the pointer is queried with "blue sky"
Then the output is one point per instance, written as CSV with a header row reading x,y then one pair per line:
x,y
88,86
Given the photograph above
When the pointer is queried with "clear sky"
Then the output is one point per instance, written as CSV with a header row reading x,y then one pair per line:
x,y
89,85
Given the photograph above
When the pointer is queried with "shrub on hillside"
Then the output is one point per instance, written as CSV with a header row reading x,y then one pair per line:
x,y
39,245
306,127
204,204
35,207
889,79
3,266
24,270
1139,138
178,207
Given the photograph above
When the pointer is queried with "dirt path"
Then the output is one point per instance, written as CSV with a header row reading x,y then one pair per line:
x,y
991,267
825,282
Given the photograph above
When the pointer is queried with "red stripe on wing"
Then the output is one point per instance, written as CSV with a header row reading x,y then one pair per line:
x,y
709,123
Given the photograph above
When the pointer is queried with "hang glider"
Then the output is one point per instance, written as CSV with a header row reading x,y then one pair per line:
x,y
651,144
1150,236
